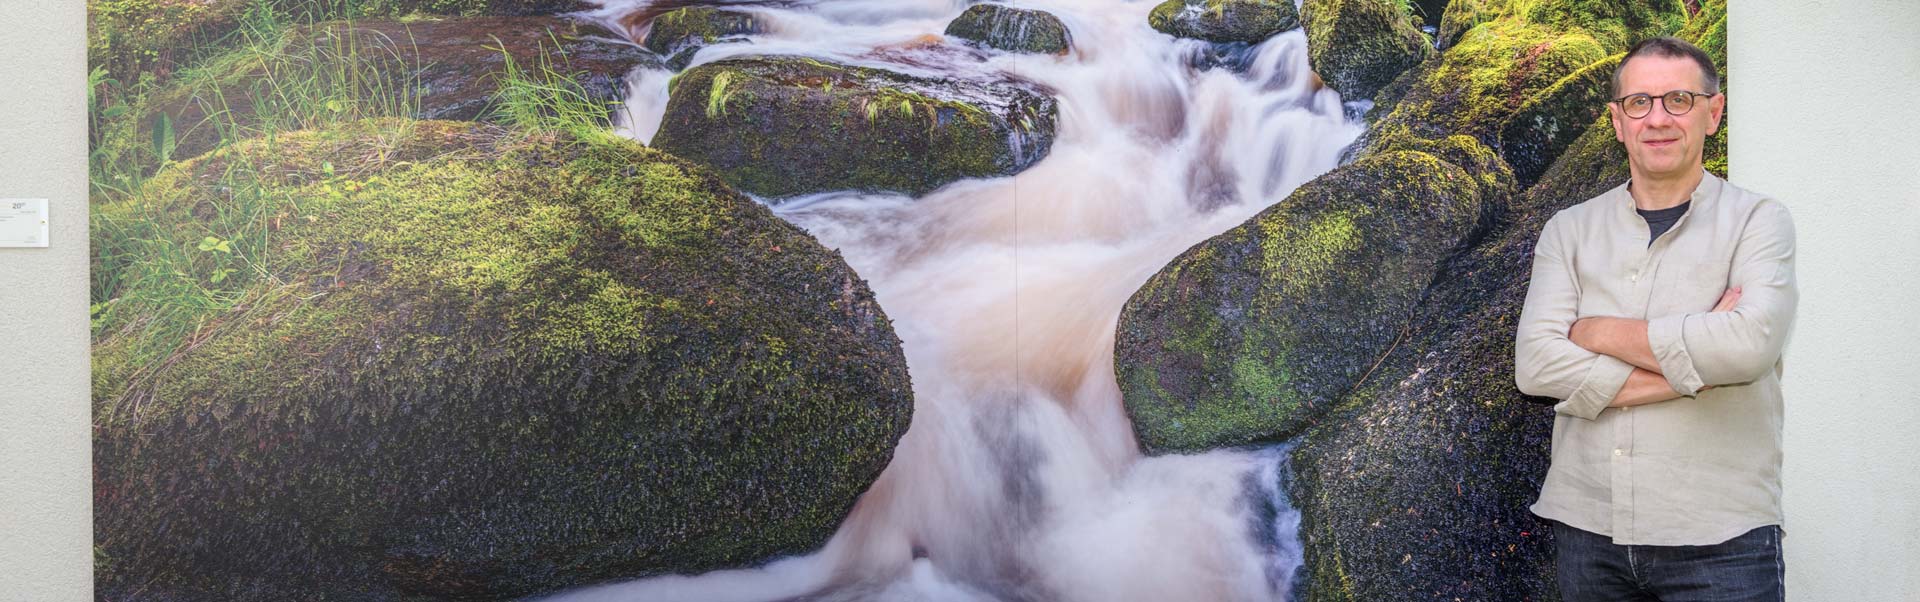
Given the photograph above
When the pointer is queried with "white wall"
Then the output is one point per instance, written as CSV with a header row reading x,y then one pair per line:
x,y
1823,105
1826,116
46,510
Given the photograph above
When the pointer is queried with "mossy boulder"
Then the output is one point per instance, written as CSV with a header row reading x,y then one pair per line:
x,y
678,34
1545,124
779,126
1224,21
1012,29
465,363
1250,335
1359,46
431,69
1417,485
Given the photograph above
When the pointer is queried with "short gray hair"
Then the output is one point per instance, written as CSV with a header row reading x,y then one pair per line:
x,y
1671,47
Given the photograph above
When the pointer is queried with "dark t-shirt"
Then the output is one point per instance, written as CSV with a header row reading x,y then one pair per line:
x,y
1659,220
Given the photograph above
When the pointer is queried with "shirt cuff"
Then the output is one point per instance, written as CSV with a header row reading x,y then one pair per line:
x,y
1667,337
1604,379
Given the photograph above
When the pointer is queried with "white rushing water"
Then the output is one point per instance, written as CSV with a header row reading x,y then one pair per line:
x,y
1020,478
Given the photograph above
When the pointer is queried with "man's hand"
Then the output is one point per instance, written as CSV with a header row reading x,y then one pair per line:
x,y
1728,300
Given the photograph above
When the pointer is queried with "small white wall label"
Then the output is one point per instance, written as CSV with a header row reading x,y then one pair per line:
x,y
23,222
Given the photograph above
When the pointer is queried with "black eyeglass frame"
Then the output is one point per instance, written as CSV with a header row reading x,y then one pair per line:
x,y
1664,104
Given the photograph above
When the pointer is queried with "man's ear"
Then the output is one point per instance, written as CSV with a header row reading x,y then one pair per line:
x,y
1613,115
1719,106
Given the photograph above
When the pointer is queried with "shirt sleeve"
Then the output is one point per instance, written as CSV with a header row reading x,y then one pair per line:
x,y
1546,362
1719,348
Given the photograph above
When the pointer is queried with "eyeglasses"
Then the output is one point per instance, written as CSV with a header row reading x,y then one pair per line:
x,y
1677,103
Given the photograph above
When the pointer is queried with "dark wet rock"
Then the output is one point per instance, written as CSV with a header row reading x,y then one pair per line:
x,y
779,126
1359,46
1224,21
679,33
1249,336
1012,29
452,67
471,364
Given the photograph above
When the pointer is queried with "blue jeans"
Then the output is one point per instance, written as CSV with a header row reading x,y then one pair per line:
x,y
1748,568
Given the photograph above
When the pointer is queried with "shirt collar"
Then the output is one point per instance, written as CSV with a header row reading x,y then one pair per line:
x,y
1704,193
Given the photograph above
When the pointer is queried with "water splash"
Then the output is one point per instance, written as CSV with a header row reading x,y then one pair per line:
x,y
1019,478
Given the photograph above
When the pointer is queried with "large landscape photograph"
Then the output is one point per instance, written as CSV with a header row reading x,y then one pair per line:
x,y
833,300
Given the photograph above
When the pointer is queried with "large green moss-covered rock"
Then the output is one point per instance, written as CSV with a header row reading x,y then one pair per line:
x,y
1359,46
429,69
1248,336
779,126
1012,29
458,362
678,34
1417,485
1224,21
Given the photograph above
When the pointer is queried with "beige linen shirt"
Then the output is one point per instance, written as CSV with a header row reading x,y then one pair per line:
x,y
1694,470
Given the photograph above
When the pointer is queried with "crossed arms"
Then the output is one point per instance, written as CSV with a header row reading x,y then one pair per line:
x,y
1593,363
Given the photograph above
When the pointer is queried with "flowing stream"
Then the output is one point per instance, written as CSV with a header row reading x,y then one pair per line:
x,y
1020,478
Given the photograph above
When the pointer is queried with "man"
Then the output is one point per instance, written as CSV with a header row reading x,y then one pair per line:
x,y
1657,314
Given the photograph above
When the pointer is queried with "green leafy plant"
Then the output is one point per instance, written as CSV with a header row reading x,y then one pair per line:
x,y
546,96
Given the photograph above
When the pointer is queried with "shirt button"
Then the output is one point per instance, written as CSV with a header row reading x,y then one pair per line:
x,y
1634,277
1617,452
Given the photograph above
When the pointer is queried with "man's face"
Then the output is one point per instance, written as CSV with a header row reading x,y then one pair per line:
x,y
1661,143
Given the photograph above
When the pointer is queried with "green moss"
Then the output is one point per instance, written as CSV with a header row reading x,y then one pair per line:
x,y
1300,256
1547,122
1461,16
1493,70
